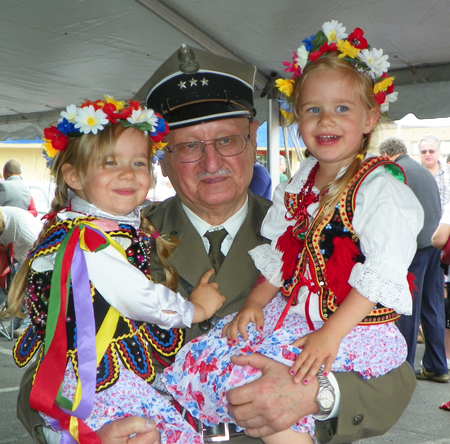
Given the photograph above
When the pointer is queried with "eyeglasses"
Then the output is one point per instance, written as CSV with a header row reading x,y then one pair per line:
x,y
427,151
227,146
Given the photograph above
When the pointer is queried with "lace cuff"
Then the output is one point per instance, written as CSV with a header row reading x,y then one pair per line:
x,y
268,262
382,284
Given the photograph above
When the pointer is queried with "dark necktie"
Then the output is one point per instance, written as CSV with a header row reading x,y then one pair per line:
x,y
215,242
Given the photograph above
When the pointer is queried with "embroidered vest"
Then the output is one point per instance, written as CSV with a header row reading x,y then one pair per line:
x,y
318,244
135,343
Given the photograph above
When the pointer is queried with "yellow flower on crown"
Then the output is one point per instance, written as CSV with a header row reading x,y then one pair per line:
x,y
120,104
347,49
383,85
48,148
288,117
286,86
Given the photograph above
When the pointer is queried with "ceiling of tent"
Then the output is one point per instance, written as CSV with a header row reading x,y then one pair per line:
x,y
57,52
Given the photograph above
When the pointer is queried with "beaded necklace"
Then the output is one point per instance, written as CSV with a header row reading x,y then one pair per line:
x,y
305,198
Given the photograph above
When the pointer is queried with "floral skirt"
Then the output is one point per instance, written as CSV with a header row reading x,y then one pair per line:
x,y
202,372
132,396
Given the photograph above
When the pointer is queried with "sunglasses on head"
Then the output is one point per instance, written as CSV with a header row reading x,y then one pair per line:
x,y
427,151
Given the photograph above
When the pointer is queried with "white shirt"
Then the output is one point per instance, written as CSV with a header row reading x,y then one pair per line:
x,y
117,280
20,228
232,225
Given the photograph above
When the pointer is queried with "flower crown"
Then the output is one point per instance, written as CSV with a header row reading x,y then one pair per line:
x,y
354,49
91,117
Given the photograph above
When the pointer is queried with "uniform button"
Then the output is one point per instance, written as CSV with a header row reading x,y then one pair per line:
x,y
204,326
357,420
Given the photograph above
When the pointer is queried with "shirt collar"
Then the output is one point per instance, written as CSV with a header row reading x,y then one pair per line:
x,y
232,225
79,205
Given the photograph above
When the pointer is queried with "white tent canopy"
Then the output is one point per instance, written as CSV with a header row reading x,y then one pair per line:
x,y
57,52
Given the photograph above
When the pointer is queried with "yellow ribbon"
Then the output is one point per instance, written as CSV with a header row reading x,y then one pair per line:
x,y
107,329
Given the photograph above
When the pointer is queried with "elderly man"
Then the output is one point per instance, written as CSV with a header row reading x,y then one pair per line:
x,y
205,102
428,296
429,148
208,102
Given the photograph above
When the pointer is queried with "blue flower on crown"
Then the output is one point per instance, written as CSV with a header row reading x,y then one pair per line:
x,y
66,127
308,42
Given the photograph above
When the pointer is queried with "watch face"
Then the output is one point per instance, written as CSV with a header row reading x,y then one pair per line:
x,y
326,400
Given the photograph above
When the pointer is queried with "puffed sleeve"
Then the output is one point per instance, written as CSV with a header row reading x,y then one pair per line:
x,y
266,257
388,217
127,289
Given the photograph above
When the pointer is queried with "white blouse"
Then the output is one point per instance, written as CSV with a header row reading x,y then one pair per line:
x,y
387,218
121,284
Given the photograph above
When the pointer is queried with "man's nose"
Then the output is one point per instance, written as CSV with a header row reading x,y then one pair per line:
x,y
211,158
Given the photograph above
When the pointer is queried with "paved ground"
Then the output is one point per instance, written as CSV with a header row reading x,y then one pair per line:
x,y
422,422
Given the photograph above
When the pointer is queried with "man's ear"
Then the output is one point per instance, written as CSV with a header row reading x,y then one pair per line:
x,y
162,165
71,177
253,136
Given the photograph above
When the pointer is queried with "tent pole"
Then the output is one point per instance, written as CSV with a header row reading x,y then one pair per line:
x,y
273,142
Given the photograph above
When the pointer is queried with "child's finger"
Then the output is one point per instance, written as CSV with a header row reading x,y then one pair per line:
x,y
299,343
242,327
205,278
215,285
327,368
312,372
225,329
259,321
232,332
295,368
302,372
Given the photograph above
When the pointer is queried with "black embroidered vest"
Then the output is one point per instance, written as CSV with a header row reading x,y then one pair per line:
x,y
135,343
318,243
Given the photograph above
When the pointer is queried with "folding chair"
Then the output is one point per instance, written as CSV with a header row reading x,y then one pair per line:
x,y
7,272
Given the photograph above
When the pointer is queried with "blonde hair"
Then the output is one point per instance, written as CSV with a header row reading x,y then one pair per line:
x,y
80,152
364,84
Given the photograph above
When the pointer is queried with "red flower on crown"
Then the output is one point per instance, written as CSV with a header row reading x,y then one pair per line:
x,y
357,40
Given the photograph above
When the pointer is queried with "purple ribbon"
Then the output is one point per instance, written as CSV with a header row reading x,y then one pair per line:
x,y
84,313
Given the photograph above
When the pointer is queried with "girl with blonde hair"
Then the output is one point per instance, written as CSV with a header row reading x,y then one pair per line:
x,y
100,322
343,232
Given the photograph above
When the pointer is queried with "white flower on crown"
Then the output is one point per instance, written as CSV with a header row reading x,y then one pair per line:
x,y
69,114
375,60
302,57
144,116
88,120
389,99
334,31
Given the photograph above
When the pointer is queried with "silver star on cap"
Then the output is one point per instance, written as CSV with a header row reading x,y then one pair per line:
x,y
204,82
193,82
182,84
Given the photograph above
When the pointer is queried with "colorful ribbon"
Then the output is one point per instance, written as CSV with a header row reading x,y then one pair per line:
x,y
46,394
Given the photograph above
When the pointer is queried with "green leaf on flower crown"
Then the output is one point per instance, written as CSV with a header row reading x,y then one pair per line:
x,y
319,39
143,126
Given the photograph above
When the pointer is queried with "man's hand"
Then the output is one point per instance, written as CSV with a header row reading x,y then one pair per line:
x,y
272,403
141,430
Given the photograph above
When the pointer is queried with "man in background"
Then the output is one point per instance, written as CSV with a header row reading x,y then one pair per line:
x,y
429,147
14,192
428,296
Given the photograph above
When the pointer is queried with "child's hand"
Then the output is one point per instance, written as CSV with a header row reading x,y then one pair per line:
x,y
250,312
206,298
318,348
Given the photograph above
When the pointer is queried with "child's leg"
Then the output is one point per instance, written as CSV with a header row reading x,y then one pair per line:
x,y
289,436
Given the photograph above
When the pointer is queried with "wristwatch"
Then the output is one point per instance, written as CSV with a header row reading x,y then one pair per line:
x,y
325,397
